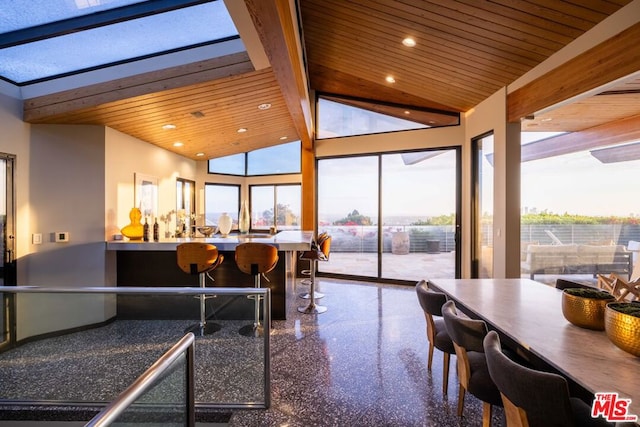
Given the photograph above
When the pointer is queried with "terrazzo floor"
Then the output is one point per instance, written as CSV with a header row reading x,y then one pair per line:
x,y
361,363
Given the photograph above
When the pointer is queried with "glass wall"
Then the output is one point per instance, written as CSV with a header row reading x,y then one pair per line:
x,y
391,216
579,214
348,210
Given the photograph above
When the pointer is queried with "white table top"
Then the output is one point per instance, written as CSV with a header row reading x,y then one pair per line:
x,y
530,313
284,241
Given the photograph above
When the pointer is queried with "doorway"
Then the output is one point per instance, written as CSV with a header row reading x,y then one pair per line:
x,y
482,205
7,240
391,216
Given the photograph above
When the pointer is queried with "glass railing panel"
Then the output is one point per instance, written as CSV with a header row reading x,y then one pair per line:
x,y
163,395
85,347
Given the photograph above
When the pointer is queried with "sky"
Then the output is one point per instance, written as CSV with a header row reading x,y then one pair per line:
x,y
574,183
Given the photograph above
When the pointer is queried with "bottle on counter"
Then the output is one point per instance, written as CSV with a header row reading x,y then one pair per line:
x,y
145,230
156,230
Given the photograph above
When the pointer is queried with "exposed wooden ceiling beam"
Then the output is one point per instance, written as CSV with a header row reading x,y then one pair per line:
x,y
620,131
43,107
615,58
280,38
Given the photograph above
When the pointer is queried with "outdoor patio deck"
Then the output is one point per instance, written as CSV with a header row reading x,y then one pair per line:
x,y
414,266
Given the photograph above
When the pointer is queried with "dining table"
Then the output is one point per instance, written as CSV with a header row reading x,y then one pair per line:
x,y
529,314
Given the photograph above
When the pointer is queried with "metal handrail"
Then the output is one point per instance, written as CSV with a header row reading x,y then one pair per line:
x,y
148,379
134,290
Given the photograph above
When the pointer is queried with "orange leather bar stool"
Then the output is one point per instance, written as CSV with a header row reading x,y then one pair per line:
x,y
256,259
321,254
200,259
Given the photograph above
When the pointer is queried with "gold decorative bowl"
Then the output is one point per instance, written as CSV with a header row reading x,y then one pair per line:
x,y
623,329
585,308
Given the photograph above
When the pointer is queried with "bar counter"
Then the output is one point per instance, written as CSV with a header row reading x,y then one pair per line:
x,y
284,241
153,264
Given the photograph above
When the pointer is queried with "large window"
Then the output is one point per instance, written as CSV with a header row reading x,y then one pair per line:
x,y
219,199
276,160
580,215
336,119
229,165
391,216
276,206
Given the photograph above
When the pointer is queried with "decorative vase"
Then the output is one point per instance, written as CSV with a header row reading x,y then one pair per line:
x,y
134,230
622,325
244,218
585,307
224,224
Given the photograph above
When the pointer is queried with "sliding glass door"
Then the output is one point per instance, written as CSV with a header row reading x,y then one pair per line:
x,y
348,190
418,203
391,216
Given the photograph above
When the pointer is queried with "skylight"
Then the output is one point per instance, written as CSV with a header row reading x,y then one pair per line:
x,y
15,16
44,41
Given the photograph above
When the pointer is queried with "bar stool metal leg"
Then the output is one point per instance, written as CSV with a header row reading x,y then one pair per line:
x,y
255,329
204,327
312,307
309,281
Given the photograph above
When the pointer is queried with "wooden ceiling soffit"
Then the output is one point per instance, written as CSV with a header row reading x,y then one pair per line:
x,y
612,59
618,132
337,82
428,117
280,38
37,110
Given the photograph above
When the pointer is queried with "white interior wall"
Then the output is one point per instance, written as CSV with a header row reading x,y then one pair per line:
x,y
490,116
127,156
66,181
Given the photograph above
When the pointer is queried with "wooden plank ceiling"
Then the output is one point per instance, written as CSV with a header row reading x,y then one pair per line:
x,y
465,51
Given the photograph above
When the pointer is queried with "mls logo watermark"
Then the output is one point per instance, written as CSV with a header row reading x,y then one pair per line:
x,y
612,407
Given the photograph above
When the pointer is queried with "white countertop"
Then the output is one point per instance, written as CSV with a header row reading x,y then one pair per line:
x,y
284,241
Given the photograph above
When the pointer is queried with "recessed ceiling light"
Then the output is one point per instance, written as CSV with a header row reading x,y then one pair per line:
x,y
242,130
390,79
178,144
197,114
546,119
264,106
168,126
282,138
409,42
407,112
199,154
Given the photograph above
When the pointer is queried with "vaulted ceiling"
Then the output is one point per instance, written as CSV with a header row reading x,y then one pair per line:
x,y
465,51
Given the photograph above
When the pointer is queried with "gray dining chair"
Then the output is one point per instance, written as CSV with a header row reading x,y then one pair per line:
x,y
473,375
431,303
534,398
